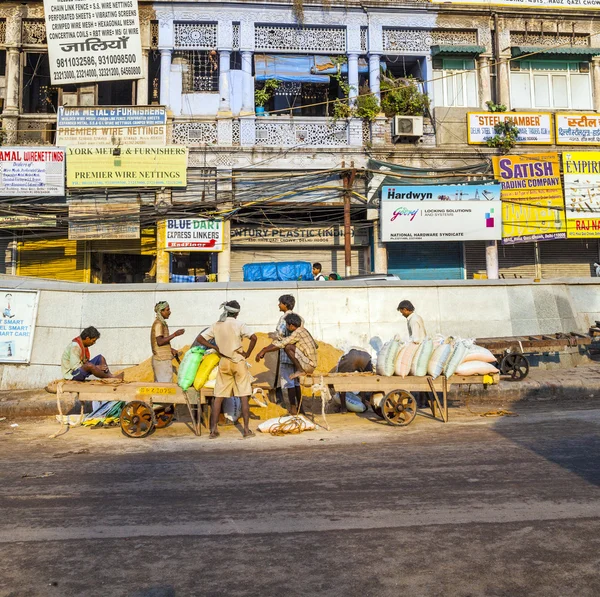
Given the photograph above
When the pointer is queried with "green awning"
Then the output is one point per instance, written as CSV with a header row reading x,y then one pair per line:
x,y
462,50
563,52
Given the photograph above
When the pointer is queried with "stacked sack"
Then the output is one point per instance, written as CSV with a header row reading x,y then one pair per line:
x,y
449,356
196,367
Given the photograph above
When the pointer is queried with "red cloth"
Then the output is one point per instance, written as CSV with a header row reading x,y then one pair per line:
x,y
85,351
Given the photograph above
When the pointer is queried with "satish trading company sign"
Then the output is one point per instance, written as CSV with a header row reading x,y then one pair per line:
x,y
91,41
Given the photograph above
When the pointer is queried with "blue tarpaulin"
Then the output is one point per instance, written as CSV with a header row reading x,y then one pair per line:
x,y
284,271
301,69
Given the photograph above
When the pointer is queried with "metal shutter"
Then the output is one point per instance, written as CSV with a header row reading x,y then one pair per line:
x,y
56,258
332,260
426,261
514,261
570,258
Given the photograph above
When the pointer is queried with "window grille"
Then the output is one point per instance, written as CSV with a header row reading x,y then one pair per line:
x,y
201,71
2,31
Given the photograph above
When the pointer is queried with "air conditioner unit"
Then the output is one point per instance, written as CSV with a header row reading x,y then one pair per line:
x,y
407,126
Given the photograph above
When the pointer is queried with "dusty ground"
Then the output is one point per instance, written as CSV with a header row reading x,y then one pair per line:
x,y
499,507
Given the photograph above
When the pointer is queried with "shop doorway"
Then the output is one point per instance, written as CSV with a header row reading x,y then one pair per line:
x,y
426,260
118,268
195,266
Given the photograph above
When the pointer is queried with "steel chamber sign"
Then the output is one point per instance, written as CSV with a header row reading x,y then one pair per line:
x,y
441,212
91,41
535,128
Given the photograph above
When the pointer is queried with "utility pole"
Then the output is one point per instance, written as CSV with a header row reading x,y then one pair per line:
x,y
348,177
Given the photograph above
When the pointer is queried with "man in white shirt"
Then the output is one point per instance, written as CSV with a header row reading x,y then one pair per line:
x,y
416,326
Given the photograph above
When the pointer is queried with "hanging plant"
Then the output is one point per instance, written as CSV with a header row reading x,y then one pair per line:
x,y
507,134
367,105
492,107
298,10
402,97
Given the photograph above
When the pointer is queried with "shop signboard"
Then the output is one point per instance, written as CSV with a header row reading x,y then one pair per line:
x,y
535,128
114,126
89,42
283,236
18,314
20,222
194,234
581,170
519,4
441,212
577,129
32,171
128,166
104,221
533,208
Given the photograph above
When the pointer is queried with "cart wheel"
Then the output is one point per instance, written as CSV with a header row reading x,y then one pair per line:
x,y
377,399
515,365
165,416
399,408
137,419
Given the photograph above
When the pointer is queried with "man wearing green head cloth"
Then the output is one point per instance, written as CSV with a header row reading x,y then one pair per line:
x,y
160,340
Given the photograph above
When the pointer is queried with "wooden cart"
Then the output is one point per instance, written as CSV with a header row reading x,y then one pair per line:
x,y
149,405
398,406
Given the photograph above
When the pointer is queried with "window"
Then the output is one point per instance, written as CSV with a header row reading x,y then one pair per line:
x,y
455,82
200,70
115,93
550,84
2,63
39,97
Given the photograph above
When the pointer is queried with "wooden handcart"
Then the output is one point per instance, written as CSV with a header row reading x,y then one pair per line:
x,y
399,405
148,405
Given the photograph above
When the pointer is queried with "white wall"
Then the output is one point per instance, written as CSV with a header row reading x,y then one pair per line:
x,y
341,313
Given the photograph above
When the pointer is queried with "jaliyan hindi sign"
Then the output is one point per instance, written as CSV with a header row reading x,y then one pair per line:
x,y
553,4
91,41
535,128
32,171
577,129
111,125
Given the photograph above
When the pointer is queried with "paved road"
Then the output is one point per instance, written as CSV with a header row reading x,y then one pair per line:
x,y
507,507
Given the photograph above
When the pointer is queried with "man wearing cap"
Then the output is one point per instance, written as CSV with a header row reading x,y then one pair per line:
x,y
160,341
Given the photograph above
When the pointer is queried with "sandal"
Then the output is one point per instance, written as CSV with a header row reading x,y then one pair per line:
x,y
214,435
249,434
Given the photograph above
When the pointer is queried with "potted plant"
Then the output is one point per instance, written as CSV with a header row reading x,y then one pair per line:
x,y
264,94
402,97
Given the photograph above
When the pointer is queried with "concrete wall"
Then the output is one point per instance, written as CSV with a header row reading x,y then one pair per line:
x,y
341,313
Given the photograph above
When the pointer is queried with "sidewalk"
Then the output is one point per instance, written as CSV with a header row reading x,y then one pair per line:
x,y
579,383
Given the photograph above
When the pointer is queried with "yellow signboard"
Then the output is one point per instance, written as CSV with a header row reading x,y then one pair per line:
x,y
581,171
128,166
532,199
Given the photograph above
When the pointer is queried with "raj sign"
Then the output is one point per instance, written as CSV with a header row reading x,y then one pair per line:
x,y
519,4
534,128
32,171
18,313
581,170
93,41
127,166
440,212
127,125
532,201
102,221
577,129
195,234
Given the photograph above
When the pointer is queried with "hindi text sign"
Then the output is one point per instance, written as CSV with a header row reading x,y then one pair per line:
x,y
577,129
90,42
532,201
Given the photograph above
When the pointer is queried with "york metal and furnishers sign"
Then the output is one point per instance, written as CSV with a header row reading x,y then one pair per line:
x,y
93,40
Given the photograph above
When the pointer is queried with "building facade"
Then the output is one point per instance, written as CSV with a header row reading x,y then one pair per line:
x,y
277,176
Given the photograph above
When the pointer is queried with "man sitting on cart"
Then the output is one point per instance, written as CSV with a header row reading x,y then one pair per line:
x,y
76,364
300,346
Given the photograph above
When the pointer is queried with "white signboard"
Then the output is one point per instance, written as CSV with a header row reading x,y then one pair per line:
x,y
577,129
519,4
102,221
93,41
126,125
440,220
287,235
194,235
18,313
32,171
535,128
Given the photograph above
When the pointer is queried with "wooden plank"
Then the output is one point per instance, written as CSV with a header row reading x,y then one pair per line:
x,y
90,396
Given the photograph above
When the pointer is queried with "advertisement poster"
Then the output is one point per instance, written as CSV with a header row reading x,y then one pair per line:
x,y
32,171
577,129
534,128
127,166
442,192
196,234
101,221
519,4
18,313
581,170
93,41
533,208
287,235
127,125
20,222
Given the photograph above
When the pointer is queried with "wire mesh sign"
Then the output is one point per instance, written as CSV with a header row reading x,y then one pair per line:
x,y
32,171
93,41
